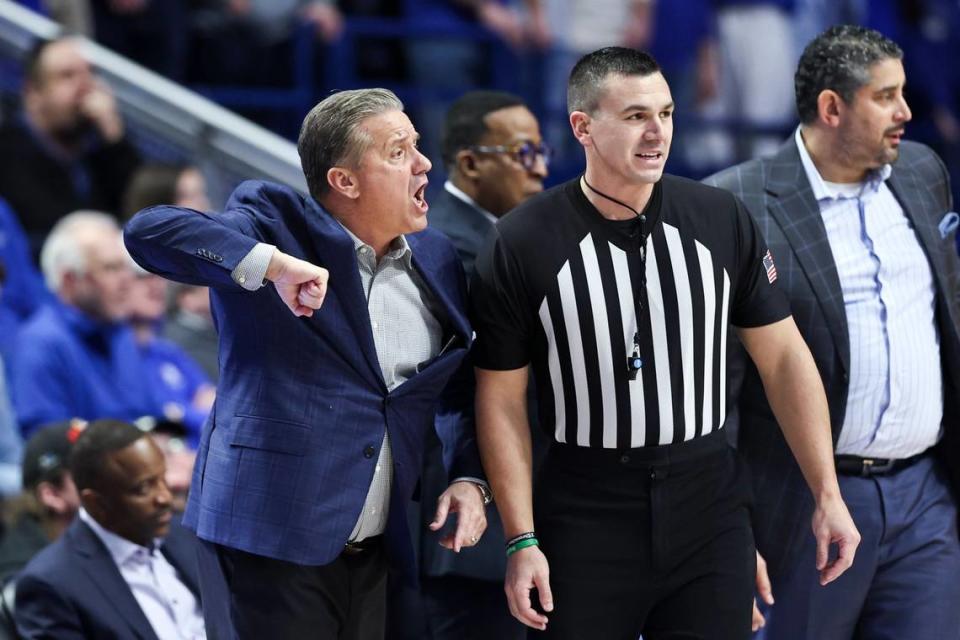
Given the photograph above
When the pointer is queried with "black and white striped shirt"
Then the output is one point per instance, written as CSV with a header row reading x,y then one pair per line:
x,y
556,287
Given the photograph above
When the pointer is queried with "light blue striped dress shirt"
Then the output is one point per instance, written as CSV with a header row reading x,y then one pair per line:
x,y
895,398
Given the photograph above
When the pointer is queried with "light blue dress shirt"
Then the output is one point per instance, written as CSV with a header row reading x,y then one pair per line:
x,y
895,396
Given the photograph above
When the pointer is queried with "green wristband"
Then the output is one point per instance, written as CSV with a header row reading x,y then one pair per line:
x,y
523,544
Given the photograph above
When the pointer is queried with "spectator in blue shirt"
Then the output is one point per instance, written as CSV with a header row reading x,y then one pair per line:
x,y
23,288
77,357
181,392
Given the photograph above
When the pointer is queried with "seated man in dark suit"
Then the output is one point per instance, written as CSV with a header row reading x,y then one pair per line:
x,y
122,569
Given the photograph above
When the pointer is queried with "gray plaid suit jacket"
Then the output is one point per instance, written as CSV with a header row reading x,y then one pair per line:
x,y
779,197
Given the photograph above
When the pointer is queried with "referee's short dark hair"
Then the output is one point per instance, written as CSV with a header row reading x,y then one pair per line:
x,y
98,440
839,59
585,86
464,125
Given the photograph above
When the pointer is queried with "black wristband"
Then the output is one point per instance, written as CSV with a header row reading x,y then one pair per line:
x,y
523,536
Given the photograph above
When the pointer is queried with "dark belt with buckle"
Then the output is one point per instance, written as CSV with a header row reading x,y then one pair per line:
x,y
868,467
362,546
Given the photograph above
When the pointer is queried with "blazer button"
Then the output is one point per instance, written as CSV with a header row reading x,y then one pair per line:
x,y
369,451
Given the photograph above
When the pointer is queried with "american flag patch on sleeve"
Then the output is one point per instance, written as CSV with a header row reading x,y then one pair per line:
x,y
770,267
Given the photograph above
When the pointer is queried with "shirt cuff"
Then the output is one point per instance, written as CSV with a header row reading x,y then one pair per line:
x,y
251,271
482,483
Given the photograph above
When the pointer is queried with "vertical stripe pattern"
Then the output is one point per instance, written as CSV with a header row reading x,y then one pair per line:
x,y
590,319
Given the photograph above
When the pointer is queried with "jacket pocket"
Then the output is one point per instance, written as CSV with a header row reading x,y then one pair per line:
x,y
266,434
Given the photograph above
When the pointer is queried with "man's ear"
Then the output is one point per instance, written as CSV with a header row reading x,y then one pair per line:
x,y
95,505
466,163
829,107
580,123
344,182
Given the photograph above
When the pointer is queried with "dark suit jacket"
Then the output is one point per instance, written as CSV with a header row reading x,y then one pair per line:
x,y
74,590
466,226
778,195
288,454
40,188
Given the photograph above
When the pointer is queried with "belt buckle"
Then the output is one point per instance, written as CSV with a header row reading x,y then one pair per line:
x,y
353,548
875,466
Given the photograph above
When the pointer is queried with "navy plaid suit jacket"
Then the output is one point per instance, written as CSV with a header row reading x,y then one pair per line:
x,y
287,455
778,195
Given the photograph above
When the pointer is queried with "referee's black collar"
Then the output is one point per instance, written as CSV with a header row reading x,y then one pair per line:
x,y
622,233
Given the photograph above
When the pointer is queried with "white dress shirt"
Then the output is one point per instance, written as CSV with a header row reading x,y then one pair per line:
x,y
170,607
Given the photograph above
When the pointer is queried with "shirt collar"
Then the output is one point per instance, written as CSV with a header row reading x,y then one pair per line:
x,y
399,248
457,193
121,549
822,190
85,326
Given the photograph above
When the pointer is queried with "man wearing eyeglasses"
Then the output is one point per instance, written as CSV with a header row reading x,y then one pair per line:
x,y
495,159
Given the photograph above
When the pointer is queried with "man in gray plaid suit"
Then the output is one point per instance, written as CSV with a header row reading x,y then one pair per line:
x,y
858,221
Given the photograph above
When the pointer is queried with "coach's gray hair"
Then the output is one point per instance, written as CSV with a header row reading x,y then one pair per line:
x,y
63,252
331,136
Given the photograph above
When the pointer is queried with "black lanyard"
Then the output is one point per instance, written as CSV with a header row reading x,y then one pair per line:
x,y
634,360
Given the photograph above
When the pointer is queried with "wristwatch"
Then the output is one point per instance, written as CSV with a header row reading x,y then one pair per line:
x,y
484,492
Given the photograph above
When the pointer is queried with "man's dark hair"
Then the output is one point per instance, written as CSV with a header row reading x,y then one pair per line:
x,y
839,59
98,440
32,72
150,185
464,125
585,86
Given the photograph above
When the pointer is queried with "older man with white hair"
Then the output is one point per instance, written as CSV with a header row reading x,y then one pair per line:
x,y
77,357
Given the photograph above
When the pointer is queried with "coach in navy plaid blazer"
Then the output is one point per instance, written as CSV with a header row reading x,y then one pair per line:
x,y
779,195
290,455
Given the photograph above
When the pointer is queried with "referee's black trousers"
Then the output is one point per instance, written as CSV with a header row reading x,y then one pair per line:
x,y
654,541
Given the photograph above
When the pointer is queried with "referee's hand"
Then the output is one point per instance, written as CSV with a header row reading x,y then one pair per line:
x,y
527,569
832,525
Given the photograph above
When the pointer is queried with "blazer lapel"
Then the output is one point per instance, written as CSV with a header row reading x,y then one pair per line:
x,y
103,573
798,215
909,194
178,549
440,285
345,295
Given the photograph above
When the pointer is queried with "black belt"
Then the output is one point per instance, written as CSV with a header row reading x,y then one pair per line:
x,y
868,467
362,546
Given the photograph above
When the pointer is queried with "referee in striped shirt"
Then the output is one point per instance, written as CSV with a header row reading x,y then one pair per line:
x,y
617,289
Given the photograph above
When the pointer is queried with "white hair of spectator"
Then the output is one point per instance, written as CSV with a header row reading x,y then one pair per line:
x,y
63,253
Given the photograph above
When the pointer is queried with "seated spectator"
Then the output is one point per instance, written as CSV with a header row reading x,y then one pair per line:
x,y
266,28
179,458
181,391
123,569
77,357
67,150
152,184
49,500
11,445
23,288
190,324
